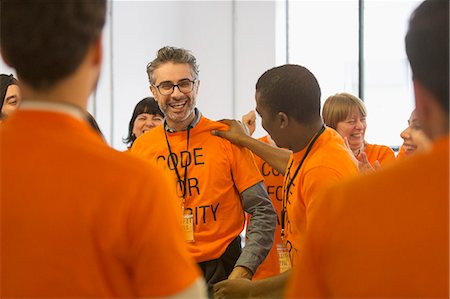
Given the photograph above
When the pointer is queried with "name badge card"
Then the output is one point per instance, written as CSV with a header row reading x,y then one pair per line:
x,y
283,257
188,226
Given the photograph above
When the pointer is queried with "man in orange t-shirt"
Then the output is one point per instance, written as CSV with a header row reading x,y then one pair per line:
x,y
78,219
288,101
386,235
216,181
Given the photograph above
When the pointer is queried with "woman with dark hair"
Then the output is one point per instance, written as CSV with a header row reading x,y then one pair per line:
x,y
414,138
146,116
10,96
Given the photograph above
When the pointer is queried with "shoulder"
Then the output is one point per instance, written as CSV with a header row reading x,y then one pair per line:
x,y
331,156
382,153
123,163
152,136
378,147
208,124
204,128
330,137
330,143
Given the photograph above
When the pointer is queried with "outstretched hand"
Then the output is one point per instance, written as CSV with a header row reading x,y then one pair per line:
x,y
235,134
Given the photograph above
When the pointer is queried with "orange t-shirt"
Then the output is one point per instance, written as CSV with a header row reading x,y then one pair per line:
x,y
274,186
382,153
401,153
217,172
384,235
328,162
79,219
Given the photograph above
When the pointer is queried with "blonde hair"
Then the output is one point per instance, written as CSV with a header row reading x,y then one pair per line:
x,y
339,107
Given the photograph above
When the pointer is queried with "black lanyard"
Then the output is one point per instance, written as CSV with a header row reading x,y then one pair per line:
x,y
286,190
180,183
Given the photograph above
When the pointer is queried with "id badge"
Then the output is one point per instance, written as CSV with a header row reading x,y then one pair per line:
x,y
283,257
188,227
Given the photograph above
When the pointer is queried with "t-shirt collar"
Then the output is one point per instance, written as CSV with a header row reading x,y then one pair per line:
x,y
60,107
196,120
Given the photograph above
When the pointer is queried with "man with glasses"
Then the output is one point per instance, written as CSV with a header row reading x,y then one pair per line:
x,y
215,180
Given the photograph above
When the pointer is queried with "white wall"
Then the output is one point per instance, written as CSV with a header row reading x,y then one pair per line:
x,y
234,42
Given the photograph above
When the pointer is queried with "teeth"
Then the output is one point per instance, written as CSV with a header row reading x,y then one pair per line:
x,y
178,104
409,147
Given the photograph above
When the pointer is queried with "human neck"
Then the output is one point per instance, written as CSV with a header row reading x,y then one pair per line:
x,y
305,135
69,91
182,125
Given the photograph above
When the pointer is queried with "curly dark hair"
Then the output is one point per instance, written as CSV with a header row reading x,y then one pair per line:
x,y
291,89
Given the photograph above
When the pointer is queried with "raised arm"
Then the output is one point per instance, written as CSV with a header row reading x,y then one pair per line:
x,y
249,120
278,158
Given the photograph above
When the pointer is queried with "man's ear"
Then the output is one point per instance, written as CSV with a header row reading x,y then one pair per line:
x,y
432,117
197,86
99,50
4,58
153,91
283,119
421,97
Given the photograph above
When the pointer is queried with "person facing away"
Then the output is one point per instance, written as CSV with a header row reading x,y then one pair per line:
x,y
146,116
288,101
215,180
10,96
78,218
386,235
414,138
347,114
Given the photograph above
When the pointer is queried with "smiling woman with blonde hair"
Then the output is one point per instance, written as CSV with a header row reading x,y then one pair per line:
x,y
347,114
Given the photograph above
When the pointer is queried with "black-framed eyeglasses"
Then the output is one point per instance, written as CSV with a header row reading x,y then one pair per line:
x,y
184,86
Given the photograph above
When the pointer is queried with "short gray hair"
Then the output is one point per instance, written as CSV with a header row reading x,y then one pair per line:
x,y
174,55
